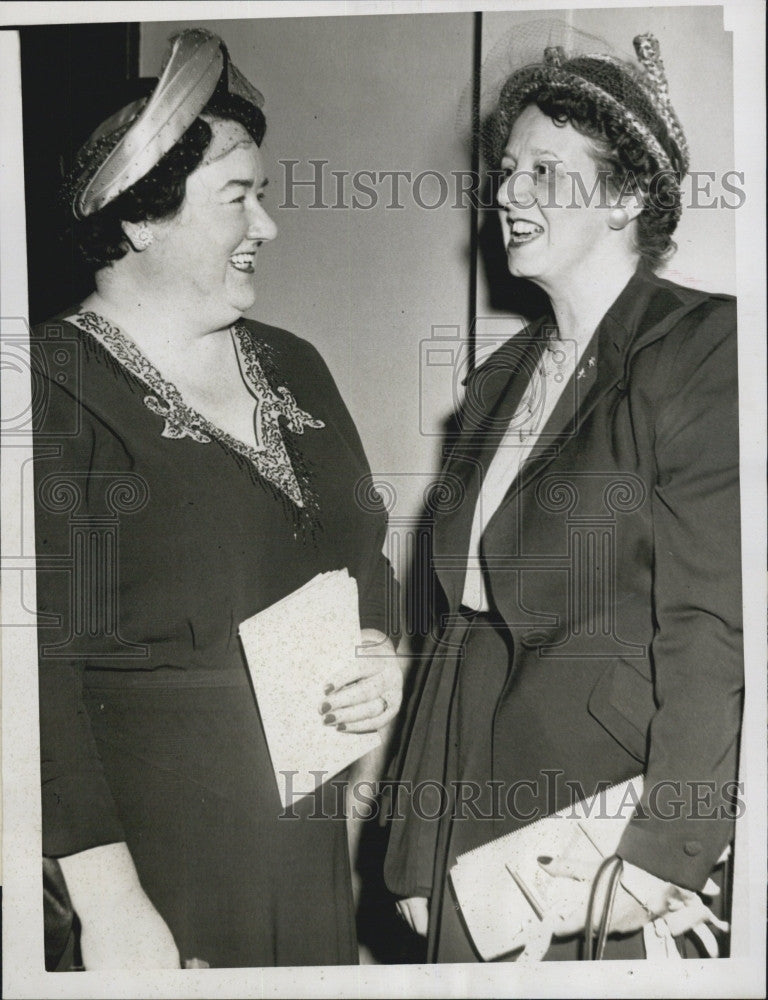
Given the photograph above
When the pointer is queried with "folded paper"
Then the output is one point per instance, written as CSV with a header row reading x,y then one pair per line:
x,y
295,649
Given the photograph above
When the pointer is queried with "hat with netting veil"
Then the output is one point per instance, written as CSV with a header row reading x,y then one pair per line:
x,y
127,146
634,95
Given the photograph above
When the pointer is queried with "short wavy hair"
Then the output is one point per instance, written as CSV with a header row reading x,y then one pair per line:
x,y
623,159
160,193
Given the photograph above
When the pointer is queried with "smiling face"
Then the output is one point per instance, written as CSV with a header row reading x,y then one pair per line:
x,y
553,227
204,257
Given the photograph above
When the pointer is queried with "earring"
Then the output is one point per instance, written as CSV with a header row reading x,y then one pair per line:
x,y
618,218
143,237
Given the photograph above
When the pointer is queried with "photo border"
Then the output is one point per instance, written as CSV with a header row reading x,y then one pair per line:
x,y
741,975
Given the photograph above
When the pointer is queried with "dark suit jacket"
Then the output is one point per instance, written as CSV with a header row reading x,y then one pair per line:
x,y
616,551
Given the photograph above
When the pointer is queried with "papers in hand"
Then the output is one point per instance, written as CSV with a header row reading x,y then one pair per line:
x,y
294,649
504,893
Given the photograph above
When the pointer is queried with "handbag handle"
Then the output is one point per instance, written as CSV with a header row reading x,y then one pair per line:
x,y
593,950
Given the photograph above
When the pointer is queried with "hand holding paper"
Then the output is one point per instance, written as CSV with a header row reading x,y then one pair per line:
x,y
372,696
295,649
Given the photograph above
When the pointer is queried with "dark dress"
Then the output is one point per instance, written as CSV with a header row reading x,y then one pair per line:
x,y
156,537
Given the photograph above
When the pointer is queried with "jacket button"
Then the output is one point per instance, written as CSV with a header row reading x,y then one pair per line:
x,y
692,848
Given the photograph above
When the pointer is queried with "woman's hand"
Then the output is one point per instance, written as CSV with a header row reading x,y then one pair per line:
x,y
371,697
120,927
415,912
640,898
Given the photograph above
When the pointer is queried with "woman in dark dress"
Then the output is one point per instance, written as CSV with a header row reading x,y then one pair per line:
x,y
192,468
589,554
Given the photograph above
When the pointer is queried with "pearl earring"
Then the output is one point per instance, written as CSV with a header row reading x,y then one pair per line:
x,y
618,218
143,237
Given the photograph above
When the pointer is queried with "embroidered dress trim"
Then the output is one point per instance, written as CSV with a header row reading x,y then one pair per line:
x,y
270,457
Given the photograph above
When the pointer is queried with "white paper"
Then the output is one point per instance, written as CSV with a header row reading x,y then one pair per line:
x,y
294,649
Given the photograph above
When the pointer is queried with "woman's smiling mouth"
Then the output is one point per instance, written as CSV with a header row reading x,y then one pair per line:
x,y
523,231
243,261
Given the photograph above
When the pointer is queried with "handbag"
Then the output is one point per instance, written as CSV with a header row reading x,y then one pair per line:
x,y
506,898
503,892
663,935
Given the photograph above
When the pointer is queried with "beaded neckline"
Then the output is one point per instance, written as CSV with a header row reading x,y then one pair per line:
x,y
270,457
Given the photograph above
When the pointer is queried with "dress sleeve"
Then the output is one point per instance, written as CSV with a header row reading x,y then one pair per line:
x,y
77,805
364,522
685,817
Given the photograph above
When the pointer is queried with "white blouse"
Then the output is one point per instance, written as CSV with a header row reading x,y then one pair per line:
x,y
557,366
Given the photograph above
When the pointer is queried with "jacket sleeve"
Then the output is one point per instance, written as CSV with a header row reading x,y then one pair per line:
x,y
77,806
685,817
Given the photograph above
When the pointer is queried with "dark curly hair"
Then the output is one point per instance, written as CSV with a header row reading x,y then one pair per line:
x,y
160,193
622,159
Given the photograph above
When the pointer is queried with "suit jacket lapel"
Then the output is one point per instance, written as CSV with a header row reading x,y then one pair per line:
x,y
645,310
601,368
642,313
493,393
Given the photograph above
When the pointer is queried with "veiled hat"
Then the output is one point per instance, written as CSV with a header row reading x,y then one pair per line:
x,y
129,144
636,97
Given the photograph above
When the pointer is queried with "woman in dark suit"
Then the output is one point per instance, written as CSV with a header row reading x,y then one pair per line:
x,y
589,554
192,469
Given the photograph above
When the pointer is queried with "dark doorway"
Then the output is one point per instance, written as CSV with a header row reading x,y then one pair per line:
x,y
73,77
